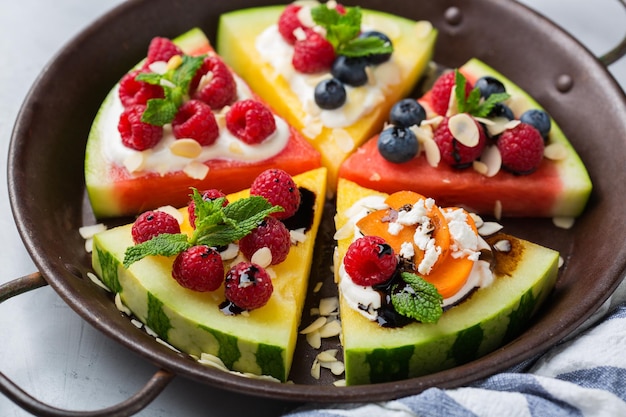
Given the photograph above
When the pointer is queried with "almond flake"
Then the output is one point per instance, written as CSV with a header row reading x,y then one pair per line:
x,y
297,236
318,287
512,123
299,33
314,339
433,121
502,245
337,368
187,148
563,222
561,261
345,231
330,329
166,83
134,162
89,245
94,278
375,176
497,125
329,355
489,228
478,221
120,306
464,129
262,257
316,370
340,383
196,170
432,152
158,67
497,210
328,305
90,231
555,151
492,159
316,325
480,167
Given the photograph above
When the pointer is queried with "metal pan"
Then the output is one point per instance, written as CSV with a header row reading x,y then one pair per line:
x,y
47,151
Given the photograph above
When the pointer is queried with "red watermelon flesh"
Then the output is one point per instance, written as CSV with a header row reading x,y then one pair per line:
x,y
556,189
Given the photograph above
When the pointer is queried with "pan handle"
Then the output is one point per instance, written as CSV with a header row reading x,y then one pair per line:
x,y
132,405
616,53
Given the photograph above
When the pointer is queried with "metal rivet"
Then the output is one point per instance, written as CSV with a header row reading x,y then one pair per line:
x,y
564,83
453,15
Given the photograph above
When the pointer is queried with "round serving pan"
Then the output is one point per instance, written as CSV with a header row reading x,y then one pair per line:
x,y
47,193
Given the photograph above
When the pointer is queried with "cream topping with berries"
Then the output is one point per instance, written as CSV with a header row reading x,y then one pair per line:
x,y
166,157
465,243
360,100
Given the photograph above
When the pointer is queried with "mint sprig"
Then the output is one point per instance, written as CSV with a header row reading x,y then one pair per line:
x,y
418,299
216,225
472,104
342,31
175,83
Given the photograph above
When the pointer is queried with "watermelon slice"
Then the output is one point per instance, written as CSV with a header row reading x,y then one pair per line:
x,y
116,190
244,34
558,188
488,317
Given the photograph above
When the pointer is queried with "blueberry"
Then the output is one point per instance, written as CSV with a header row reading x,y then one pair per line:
x,y
350,70
397,144
330,94
407,112
489,85
539,119
376,59
502,110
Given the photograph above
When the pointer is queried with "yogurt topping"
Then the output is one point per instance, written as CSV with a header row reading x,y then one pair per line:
x,y
160,159
465,243
360,100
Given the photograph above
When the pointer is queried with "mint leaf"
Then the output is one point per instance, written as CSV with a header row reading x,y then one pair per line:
x,y
342,31
418,299
165,244
472,104
175,83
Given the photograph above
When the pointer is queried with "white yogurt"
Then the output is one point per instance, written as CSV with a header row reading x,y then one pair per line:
x,y
160,159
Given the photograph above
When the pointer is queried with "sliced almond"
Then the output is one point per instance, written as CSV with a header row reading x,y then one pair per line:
x,y
316,370
134,162
196,170
330,329
480,167
555,151
172,211
262,257
174,62
503,245
564,222
328,305
432,152
464,129
318,287
497,210
187,148
489,228
329,355
90,231
314,339
316,325
492,159
375,176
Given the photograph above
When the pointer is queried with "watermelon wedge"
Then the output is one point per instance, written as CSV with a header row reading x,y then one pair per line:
x,y
558,188
117,187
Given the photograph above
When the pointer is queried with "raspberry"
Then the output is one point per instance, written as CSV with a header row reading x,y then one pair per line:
x,y
195,120
199,268
521,149
136,134
272,234
453,152
370,261
442,90
313,53
248,286
214,84
251,121
288,22
279,189
207,195
133,92
161,49
153,223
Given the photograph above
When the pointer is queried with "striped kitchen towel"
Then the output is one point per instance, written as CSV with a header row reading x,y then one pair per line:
x,y
585,376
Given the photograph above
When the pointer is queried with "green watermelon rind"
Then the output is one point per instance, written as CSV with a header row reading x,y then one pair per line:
x,y
492,317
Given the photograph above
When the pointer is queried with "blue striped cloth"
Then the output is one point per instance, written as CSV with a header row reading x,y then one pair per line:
x,y
585,375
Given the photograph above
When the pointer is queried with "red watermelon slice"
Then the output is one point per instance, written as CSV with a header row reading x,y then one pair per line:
x,y
120,182
558,188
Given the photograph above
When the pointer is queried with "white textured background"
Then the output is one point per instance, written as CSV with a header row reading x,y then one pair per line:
x,y
44,346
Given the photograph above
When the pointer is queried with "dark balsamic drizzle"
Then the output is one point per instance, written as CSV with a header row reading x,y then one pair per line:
x,y
303,218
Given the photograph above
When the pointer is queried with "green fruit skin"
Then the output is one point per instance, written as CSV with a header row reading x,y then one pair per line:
x,y
491,317
181,317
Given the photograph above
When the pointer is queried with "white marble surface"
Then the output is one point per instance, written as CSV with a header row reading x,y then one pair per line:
x,y
44,346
